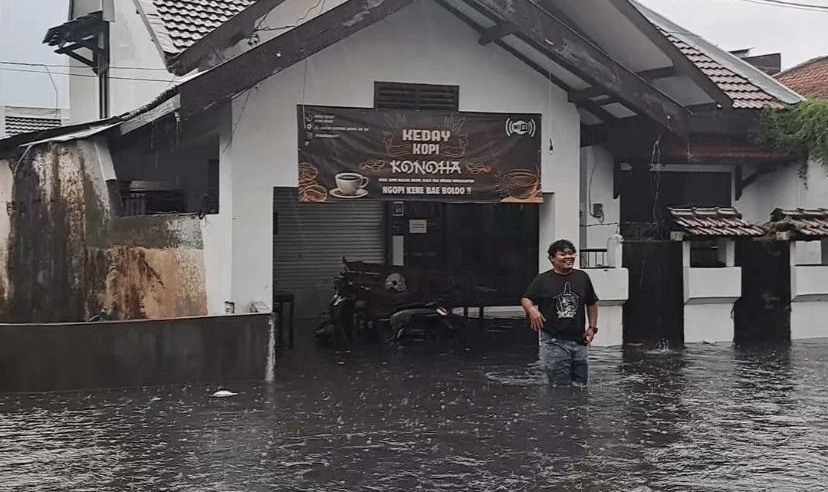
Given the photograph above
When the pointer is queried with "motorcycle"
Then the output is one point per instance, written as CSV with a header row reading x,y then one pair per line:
x,y
336,328
425,321
357,312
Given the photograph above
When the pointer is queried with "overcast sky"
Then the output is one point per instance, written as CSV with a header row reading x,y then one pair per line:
x,y
731,24
23,24
798,33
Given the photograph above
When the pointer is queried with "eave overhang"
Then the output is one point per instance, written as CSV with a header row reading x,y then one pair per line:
x,y
522,18
202,53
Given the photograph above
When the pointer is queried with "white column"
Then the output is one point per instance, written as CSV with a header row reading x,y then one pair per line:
x,y
546,230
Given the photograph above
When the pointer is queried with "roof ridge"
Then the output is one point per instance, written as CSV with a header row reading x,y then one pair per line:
x,y
800,65
724,59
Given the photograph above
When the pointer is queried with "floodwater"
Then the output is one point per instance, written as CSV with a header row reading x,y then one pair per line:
x,y
707,418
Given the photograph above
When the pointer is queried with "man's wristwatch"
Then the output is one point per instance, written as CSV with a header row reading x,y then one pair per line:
x,y
593,328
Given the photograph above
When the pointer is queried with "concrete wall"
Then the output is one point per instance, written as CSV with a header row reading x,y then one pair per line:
x,y
597,188
72,256
612,287
809,319
809,297
709,295
421,44
6,199
784,188
709,323
216,232
790,188
133,353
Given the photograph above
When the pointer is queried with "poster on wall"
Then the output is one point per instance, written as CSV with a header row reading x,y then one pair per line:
x,y
401,155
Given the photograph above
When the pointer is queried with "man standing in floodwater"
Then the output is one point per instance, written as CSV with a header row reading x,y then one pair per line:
x,y
555,303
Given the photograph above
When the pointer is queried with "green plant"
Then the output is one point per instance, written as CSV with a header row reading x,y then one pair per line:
x,y
802,127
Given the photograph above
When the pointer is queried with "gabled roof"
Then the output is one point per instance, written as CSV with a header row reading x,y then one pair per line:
x,y
740,90
521,27
800,224
175,25
747,86
713,222
809,78
189,32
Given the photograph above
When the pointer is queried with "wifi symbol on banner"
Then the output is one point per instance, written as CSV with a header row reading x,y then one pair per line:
x,y
520,127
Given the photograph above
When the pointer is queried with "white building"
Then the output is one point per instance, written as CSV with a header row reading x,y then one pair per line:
x,y
616,88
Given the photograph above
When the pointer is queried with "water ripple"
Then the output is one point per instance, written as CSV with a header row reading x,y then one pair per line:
x,y
709,418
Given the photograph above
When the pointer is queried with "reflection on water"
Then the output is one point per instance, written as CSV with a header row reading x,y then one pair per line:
x,y
709,418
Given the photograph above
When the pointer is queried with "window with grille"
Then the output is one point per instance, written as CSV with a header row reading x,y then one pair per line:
x,y
395,95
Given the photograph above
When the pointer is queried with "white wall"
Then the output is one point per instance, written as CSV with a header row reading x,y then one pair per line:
x,y
809,320
597,187
137,75
809,297
708,323
612,287
709,295
786,189
783,189
83,84
218,242
611,323
146,76
421,44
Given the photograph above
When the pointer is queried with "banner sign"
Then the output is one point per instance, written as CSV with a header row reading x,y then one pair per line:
x,y
357,153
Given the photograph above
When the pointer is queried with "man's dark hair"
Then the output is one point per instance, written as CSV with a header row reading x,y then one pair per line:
x,y
561,245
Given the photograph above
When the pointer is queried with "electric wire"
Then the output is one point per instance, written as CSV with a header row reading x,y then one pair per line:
x,y
63,65
782,4
790,5
114,77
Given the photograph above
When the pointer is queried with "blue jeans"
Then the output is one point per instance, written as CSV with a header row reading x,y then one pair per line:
x,y
565,361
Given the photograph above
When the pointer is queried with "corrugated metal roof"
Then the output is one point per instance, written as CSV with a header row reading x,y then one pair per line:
x,y
713,221
75,134
800,223
16,125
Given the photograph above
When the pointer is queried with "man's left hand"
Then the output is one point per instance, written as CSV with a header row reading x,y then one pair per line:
x,y
590,334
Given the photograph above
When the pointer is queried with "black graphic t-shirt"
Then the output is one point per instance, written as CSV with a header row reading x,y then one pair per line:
x,y
561,300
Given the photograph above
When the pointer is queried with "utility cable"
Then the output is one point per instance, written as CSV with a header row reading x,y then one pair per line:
x,y
114,77
57,65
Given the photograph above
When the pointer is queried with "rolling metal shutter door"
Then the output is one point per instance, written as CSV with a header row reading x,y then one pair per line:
x,y
311,240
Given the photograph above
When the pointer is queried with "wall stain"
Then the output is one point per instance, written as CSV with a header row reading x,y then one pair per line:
x,y
70,258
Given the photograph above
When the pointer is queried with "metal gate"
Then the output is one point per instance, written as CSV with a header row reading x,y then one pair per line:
x,y
763,313
310,239
654,312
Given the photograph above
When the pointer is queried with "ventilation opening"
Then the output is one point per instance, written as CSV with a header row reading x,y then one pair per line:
x,y
394,95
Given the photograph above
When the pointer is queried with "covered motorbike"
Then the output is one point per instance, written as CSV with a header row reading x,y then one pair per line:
x,y
369,298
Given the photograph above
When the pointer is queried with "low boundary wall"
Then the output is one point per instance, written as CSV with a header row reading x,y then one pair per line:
x,y
113,354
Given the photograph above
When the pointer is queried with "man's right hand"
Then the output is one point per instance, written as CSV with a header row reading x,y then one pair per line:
x,y
536,319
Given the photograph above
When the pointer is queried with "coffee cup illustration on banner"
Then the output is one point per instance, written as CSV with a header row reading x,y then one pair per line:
x,y
350,185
